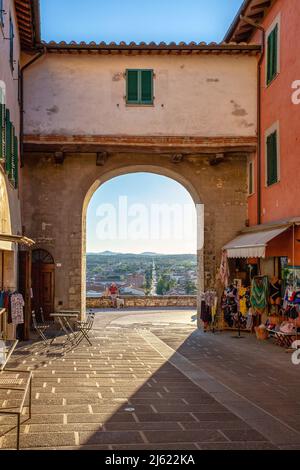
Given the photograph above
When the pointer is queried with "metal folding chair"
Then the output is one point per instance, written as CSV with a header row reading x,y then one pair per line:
x,y
40,328
84,328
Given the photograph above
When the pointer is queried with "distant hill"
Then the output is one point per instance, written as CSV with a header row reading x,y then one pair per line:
x,y
146,253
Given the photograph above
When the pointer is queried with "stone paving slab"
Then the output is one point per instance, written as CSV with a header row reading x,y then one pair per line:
x,y
279,427
121,393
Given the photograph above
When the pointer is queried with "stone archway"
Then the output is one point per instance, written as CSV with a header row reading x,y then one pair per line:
x,y
107,176
63,189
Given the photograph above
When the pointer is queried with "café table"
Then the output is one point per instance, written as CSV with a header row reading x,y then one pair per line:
x,y
64,317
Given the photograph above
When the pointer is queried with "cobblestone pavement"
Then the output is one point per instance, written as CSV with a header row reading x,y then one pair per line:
x,y
132,390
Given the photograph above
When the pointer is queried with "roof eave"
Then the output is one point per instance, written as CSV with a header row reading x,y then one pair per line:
x,y
36,21
236,20
256,10
151,47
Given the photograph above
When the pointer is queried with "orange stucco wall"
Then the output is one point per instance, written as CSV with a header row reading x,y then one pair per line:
x,y
283,246
282,200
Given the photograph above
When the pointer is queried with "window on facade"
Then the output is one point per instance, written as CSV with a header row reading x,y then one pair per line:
x,y
1,13
272,159
9,147
250,179
272,55
2,125
139,87
11,42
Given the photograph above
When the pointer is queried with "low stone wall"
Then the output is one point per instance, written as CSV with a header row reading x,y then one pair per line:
x,y
144,302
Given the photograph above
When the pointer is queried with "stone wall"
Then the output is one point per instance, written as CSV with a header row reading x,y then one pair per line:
x,y
145,302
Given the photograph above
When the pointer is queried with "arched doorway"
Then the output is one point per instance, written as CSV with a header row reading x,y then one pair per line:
x,y
43,270
177,179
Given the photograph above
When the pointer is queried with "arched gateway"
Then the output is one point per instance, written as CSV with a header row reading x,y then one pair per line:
x,y
198,127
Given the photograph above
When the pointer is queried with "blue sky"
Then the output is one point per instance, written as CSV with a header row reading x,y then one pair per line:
x,y
122,216
133,20
136,20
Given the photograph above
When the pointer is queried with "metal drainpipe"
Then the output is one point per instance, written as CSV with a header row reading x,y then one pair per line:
x,y
259,81
26,66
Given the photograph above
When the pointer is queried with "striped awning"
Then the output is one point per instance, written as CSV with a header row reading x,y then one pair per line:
x,y
252,244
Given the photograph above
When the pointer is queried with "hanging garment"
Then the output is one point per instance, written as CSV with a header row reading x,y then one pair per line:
x,y
224,269
205,313
259,293
214,308
242,294
17,305
275,292
249,324
2,299
210,298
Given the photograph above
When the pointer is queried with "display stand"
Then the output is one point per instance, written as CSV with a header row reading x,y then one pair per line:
x,y
239,336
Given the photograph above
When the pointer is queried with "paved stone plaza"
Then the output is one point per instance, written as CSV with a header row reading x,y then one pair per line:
x,y
152,381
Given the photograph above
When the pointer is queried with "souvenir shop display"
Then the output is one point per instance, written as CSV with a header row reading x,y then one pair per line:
x,y
287,329
14,303
236,308
259,298
209,307
275,295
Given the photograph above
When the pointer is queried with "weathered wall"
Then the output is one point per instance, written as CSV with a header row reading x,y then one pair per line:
x,y
10,214
204,95
145,302
9,81
281,200
56,197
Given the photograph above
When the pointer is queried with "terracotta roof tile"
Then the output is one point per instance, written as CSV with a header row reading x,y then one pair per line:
x,y
141,47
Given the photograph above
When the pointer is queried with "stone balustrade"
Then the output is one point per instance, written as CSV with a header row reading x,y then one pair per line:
x,y
144,302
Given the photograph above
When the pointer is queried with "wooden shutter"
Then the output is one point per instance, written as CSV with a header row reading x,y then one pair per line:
x,y
2,126
132,86
272,54
8,142
12,157
11,42
269,61
272,170
147,86
275,50
15,175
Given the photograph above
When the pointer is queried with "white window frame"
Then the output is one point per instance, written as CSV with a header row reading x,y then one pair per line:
x,y
277,21
273,128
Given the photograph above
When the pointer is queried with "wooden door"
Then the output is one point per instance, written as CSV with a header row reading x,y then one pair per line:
x,y
43,283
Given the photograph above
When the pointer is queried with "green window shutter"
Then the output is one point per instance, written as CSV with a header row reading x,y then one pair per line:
x,y
272,170
11,42
269,61
132,86
11,174
16,162
2,127
8,142
275,51
147,86
272,58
